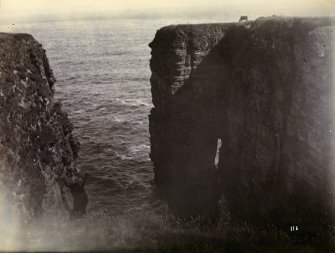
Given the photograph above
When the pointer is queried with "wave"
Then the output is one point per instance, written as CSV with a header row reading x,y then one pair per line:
x,y
123,157
133,152
133,102
118,120
139,148
78,112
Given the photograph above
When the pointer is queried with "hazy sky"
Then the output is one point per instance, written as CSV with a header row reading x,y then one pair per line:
x,y
20,9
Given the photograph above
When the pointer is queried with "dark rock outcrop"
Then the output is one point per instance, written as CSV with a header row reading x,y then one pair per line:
x,y
183,124
37,150
265,89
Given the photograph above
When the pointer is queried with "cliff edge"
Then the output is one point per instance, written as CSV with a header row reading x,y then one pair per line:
x,y
38,153
263,88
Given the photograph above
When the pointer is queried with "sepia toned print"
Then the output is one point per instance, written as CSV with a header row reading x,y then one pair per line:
x,y
166,126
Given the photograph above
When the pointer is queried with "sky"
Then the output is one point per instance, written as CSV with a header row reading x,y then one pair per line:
x,y
21,10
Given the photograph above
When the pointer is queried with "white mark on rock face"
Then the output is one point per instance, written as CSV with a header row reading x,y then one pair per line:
x,y
23,103
24,83
29,71
330,130
218,146
19,183
15,72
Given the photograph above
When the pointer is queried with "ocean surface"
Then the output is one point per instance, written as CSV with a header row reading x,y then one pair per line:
x,y
103,81
102,68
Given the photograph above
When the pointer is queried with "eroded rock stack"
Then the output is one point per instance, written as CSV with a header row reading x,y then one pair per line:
x,y
186,67
265,89
37,150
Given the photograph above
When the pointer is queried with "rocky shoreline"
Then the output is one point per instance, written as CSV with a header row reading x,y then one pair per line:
x,y
37,149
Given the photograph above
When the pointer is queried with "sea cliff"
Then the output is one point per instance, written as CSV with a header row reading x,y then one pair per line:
x,y
264,88
38,152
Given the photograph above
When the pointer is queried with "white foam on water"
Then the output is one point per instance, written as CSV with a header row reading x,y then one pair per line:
x,y
123,156
139,148
118,119
133,102
78,112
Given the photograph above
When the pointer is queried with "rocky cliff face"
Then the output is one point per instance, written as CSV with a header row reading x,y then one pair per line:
x,y
37,150
265,89
186,67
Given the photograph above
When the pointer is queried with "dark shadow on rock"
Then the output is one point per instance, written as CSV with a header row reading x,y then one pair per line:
x,y
246,85
80,200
